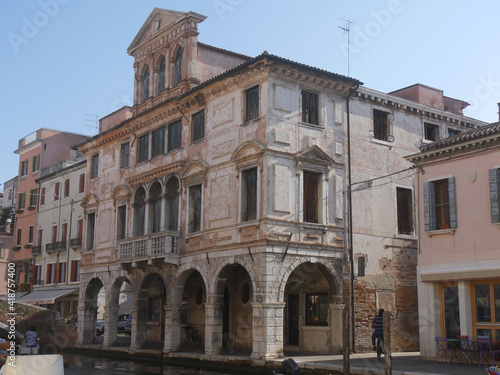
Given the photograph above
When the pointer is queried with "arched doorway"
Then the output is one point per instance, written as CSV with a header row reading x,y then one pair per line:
x,y
313,310
234,296
88,317
192,313
148,319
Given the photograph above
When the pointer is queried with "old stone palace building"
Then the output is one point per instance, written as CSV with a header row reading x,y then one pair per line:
x,y
220,196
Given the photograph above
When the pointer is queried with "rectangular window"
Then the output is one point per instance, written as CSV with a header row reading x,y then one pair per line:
x,y
452,132
311,197
431,132
75,270
450,316
198,121
24,168
317,309
494,182
405,210
249,194
61,272
94,168
310,108
194,224
31,234
36,163
380,125
79,224
158,139
33,198
64,236
42,196
124,155
54,233
89,243
19,237
81,187
440,207
486,308
252,103
174,135
50,273
121,220
40,236
37,275
143,148
361,266
66,187
22,201
57,188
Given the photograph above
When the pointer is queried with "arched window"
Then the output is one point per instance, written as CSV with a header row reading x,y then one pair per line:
x,y
155,207
178,67
145,86
140,212
161,77
172,193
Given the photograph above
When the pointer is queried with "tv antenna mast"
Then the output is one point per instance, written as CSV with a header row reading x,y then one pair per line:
x,y
90,121
347,29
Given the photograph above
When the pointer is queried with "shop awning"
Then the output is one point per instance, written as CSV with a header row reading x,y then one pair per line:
x,y
45,297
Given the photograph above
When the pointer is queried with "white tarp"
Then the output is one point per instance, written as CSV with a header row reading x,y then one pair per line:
x,y
47,364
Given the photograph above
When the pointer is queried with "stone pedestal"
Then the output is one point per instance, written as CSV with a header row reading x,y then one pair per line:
x,y
172,341
267,340
213,328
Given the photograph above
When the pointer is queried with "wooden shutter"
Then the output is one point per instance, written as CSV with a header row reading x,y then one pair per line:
x,y
310,205
48,278
428,206
452,202
494,179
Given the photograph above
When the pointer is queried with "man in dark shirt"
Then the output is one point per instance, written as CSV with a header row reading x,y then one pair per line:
x,y
378,326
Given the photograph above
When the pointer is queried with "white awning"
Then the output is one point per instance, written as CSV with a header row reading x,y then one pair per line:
x,y
45,297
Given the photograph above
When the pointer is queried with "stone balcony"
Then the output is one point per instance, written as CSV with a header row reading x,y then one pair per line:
x,y
163,246
55,247
75,243
36,250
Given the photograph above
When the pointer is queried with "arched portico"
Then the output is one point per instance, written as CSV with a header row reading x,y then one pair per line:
x,y
88,312
313,308
112,310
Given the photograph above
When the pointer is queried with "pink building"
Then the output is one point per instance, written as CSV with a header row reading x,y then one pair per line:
x,y
459,237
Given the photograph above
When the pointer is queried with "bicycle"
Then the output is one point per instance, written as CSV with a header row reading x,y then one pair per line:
x,y
380,347
191,334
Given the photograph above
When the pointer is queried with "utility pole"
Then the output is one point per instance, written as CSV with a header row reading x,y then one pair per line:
x,y
347,29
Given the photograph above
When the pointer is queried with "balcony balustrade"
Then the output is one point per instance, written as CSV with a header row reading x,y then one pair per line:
x,y
154,246
36,250
55,246
75,243
50,247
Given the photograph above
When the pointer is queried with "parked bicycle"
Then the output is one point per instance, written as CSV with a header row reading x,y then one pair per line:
x,y
191,334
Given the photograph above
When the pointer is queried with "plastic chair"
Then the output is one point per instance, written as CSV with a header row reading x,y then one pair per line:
x,y
486,350
443,347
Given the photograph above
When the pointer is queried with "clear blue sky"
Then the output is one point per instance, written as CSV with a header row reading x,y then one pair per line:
x,y
62,59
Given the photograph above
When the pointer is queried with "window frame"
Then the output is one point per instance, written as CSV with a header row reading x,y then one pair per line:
x,y
174,136
312,322
431,221
245,210
42,196
94,167
494,324
252,105
125,155
57,189
312,214
145,85
35,167
81,185
381,126
310,107
23,168
33,198
90,232
158,146
430,128
194,219
405,210
67,183
142,148
197,129
494,188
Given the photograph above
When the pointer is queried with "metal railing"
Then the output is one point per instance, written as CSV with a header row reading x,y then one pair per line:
x,y
149,247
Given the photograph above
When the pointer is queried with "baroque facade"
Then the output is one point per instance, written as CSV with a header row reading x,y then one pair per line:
x,y
221,203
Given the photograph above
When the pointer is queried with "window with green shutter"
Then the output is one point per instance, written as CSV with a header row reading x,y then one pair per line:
x,y
440,205
494,179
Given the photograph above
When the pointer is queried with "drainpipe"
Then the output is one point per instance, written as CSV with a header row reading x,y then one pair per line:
x,y
349,213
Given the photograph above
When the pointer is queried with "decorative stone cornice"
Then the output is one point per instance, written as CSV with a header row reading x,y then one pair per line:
x,y
155,173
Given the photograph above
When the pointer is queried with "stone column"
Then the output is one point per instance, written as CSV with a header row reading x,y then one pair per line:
x,y
267,330
213,328
336,327
138,334
172,341
110,325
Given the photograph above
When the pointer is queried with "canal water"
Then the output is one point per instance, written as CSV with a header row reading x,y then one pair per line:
x,y
86,365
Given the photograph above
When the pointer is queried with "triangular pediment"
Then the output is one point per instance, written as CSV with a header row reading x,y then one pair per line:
x,y
158,21
314,154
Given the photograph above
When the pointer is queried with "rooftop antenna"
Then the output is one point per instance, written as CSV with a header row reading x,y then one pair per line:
x,y
347,29
90,121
